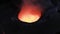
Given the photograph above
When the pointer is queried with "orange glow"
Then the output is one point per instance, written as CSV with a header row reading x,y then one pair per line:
x,y
29,12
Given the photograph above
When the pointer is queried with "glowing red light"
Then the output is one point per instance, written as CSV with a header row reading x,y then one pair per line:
x,y
29,13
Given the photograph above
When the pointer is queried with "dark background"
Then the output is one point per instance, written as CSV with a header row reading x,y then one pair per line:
x,y
48,24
